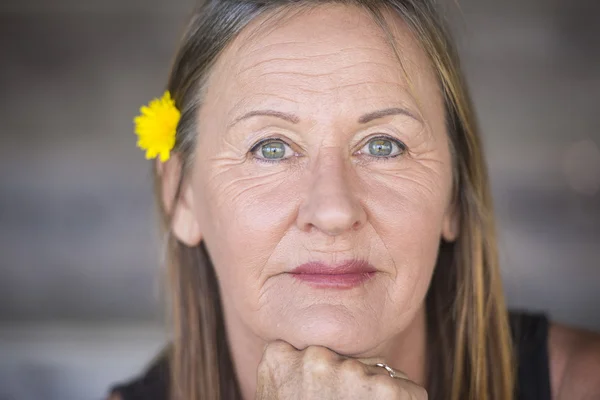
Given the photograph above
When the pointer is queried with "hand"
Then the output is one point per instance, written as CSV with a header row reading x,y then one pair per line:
x,y
316,372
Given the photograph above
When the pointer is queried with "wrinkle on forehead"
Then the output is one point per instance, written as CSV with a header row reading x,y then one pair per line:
x,y
268,60
269,31
271,36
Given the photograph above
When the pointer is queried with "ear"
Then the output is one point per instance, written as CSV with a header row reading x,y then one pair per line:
x,y
184,224
451,223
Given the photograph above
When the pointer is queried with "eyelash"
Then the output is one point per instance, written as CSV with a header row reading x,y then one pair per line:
x,y
257,146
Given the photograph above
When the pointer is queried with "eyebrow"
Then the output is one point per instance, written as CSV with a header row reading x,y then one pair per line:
x,y
384,113
295,119
269,113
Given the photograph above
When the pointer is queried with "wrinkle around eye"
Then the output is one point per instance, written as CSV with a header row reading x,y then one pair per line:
x,y
425,185
224,163
422,175
235,196
238,186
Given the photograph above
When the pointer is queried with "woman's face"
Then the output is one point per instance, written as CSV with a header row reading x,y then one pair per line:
x,y
315,151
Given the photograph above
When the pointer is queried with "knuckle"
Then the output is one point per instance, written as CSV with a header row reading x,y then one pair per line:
x,y
317,361
315,366
275,355
353,368
317,352
276,350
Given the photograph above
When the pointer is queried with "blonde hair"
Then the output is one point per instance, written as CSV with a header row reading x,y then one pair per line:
x,y
468,333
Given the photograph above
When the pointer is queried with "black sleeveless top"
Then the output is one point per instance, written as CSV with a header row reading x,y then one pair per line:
x,y
530,335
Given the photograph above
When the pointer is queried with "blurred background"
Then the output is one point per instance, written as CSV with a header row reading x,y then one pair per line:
x,y
80,299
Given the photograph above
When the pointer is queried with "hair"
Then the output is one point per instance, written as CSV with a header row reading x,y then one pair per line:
x,y
468,335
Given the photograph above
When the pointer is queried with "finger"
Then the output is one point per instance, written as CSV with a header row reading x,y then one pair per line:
x,y
397,388
278,356
276,363
382,386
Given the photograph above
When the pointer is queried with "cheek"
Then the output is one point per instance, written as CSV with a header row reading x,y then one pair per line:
x,y
244,218
406,210
409,204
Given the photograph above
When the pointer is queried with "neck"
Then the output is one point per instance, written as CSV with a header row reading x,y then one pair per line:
x,y
405,352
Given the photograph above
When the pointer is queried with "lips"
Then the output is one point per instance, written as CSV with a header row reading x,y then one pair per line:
x,y
345,275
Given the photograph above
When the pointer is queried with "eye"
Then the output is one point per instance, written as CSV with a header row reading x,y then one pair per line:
x,y
272,150
383,147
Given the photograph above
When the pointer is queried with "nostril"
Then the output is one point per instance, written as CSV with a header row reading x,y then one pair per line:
x,y
309,227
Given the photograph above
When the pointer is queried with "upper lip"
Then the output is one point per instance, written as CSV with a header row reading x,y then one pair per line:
x,y
346,267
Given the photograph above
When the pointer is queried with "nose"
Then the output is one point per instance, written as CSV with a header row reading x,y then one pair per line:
x,y
331,204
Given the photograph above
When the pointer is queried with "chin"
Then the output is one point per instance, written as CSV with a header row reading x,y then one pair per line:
x,y
340,331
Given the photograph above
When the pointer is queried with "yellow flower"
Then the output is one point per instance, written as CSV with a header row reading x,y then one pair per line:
x,y
156,126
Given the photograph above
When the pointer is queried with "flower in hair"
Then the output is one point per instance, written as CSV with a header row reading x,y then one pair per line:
x,y
156,127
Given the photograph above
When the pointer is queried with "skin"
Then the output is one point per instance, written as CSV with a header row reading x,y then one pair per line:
x,y
329,201
574,357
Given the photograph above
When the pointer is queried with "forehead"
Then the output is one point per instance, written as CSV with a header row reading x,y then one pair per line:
x,y
331,54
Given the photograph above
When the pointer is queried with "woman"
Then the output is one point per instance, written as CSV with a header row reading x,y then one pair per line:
x,y
329,217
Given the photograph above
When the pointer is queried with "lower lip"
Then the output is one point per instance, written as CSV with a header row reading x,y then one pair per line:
x,y
335,281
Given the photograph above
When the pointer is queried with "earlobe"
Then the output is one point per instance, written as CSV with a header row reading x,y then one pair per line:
x,y
451,224
184,224
180,205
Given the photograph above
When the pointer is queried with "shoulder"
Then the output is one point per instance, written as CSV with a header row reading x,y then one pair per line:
x,y
574,363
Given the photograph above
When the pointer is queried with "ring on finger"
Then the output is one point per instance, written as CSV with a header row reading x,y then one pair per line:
x,y
391,371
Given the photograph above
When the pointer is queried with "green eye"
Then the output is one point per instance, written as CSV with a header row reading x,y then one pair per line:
x,y
273,150
380,147
383,147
